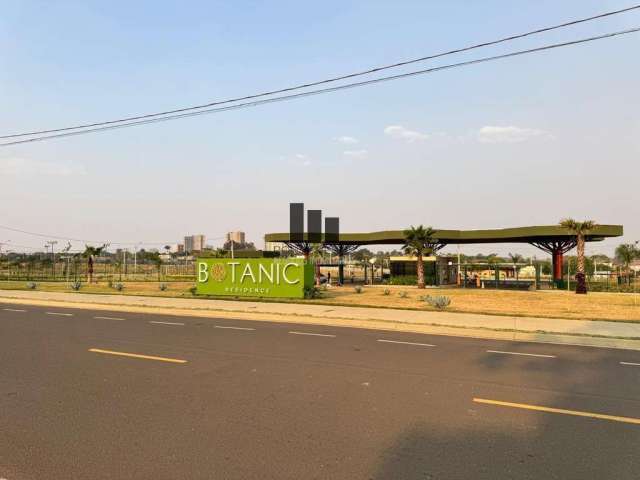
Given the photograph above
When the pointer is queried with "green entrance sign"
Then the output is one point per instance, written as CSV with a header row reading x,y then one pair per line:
x,y
253,277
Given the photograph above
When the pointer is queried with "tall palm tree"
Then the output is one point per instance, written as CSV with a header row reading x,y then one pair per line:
x,y
625,253
419,242
89,253
580,230
316,253
515,258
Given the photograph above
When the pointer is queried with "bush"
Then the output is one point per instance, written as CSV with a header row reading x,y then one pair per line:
x,y
403,280
429,279
163,287
312,292
358,289
77,285
193,290
386,291
31,285
403,294
118,286
438,301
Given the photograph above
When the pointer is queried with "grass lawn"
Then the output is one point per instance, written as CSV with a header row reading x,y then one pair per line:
x,y
554,304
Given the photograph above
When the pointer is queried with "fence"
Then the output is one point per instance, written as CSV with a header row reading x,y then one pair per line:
x,y
102,272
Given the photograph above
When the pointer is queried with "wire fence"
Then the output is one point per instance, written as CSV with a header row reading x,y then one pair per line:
x,y
185,271
102,272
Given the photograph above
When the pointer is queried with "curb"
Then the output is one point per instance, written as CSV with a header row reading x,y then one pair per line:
x,y
600,341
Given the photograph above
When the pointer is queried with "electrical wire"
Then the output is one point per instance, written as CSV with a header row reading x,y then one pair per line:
x,y
329,89
332,79
70,239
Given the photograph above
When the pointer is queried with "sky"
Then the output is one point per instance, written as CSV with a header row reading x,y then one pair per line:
x,y
522,141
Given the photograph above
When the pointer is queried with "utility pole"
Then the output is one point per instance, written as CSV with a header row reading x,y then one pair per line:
x,y
53,257
135,260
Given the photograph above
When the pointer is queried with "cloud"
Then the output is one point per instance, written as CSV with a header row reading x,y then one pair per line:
x,y
347,140
402,133
26,167
303,159
509,134
356,154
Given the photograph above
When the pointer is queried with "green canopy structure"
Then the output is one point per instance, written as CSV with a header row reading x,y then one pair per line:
x,y
552,239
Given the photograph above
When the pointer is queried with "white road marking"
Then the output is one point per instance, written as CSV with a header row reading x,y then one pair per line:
x,y
630,363
108,318
406,343
234,328
167,323
60,314
12,310
523,354
312,334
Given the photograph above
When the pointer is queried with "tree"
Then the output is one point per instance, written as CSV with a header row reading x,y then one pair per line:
x,y
239,246
316,254
625,254
89,253
580,230
419,242
515,259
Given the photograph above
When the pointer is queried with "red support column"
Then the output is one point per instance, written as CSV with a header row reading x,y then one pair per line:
x,y
557,267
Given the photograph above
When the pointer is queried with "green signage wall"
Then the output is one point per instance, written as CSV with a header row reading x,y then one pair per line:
x,y
253,277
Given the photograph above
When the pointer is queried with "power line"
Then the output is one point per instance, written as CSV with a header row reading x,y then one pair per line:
x,y
332,79
84,240
328,89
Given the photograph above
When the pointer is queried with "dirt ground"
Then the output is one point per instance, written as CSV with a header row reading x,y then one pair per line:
x,y
551,304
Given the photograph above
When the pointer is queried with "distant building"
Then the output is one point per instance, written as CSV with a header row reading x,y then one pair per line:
x,y
236,237
194,243
176,248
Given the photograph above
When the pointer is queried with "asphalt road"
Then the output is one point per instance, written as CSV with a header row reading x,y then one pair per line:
x,y
234,399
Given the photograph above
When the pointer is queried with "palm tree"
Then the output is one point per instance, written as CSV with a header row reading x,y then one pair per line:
x,y
579,229
89,253
515,258
625,253
316,252
419,242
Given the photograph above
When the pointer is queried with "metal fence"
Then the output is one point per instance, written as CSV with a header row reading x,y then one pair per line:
x,y
72,271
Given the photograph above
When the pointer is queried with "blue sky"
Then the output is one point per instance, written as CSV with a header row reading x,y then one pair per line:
x,y
521,141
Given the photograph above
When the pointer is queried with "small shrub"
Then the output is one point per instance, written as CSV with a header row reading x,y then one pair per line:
x,y
358,289
163,287
386,291
193,290
312,292
118,286
439,301
403,294
77,285
32,285
403,280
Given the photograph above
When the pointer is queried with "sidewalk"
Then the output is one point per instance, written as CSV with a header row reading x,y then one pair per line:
x,y
579,332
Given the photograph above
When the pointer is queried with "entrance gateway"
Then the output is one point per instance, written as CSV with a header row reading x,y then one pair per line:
x,y
254,277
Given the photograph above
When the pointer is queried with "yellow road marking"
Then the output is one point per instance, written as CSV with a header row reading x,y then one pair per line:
x,y
137,355
576,413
